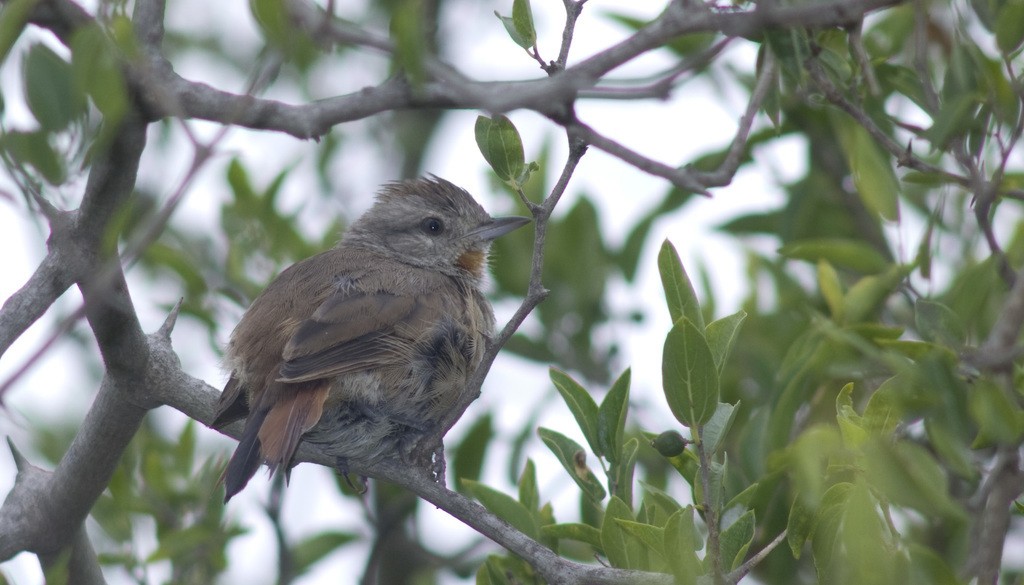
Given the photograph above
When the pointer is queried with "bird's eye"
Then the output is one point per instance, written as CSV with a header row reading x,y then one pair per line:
x,y
432,226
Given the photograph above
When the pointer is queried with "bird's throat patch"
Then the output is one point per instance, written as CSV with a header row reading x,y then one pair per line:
x,y
472,261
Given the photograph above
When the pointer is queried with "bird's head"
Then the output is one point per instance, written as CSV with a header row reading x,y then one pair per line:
x,y
431,223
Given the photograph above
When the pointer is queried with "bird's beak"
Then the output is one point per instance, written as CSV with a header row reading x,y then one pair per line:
x,y
497,227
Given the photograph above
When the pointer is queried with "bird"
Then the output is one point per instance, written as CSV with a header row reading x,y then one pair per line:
x,y
363,349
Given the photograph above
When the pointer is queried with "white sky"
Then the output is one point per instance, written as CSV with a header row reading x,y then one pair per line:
x,y
697,119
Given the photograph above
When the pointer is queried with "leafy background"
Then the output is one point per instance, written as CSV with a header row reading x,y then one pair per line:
x,y
834,315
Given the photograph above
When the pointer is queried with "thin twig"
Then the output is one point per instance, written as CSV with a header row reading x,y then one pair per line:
x,y
553,568
725,172
680,177
573,8
922,31
741,571
904,157
863,61
658,85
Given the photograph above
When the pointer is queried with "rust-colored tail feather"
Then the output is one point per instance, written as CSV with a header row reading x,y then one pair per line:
x,y
296,411
272,433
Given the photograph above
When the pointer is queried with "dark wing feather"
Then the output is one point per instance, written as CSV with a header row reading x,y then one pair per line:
x,y
233,405
355,332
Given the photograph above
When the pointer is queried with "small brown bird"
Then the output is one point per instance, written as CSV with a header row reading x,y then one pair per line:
x,y
364,348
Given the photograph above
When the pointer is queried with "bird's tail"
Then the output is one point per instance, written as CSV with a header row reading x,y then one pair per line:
x,y
246,458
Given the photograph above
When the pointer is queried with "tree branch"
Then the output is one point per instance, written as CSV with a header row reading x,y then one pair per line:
x,y
904,157
993,522
161,88
27,305
680,177
165,382
549,565
741,571
725,172
573,9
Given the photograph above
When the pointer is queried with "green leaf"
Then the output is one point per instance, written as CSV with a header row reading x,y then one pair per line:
x,y
659,501
582,406
845,253
866,556
97,72
945,439
721,336
574,459
529,493
1010,26
745,498
505,507
13,18
682,300
522,19
622,471
831,289
851,424
871,291
310,550
652,537
182,263
931,568
736,539
407,22
808,458
503,570
520,25
871,167
884,411
937,323
908,475
611,418
799,527
501,146
468,458
33,149
623,551
955,118
185,448
999,419
573,531
49,89
491,573
681,544
689,375
826,533
718,426
717,473
293,41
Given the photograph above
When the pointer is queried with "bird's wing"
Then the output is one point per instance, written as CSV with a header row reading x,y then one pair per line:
x,y
356,331
233,404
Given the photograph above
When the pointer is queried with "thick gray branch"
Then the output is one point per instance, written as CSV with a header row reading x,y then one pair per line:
x,y
28,304
167,94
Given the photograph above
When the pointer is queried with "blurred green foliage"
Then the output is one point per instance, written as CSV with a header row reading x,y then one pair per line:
x,y
839,404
